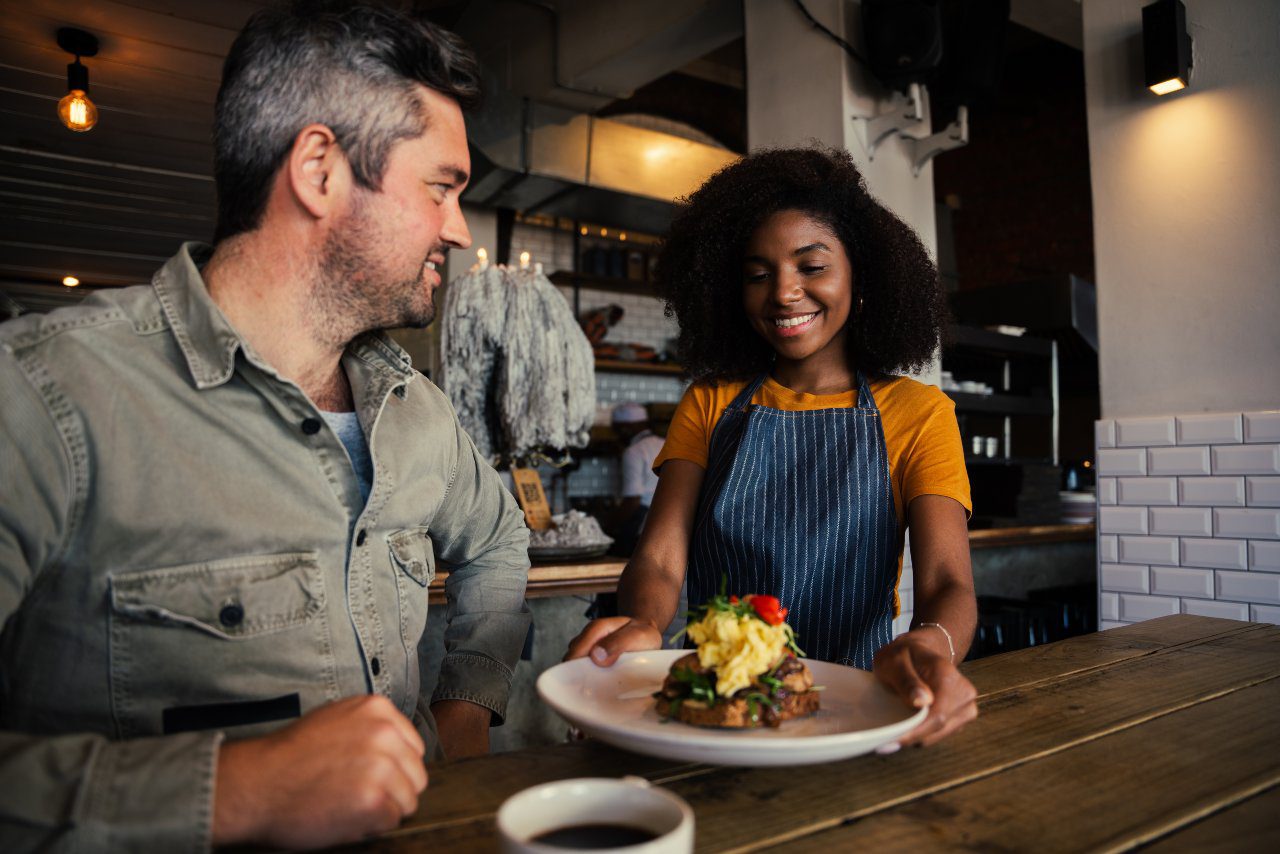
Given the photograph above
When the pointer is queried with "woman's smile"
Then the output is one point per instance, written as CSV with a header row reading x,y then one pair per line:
x,y
790,325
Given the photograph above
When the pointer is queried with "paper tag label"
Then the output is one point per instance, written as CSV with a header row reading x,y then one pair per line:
x,y
537,513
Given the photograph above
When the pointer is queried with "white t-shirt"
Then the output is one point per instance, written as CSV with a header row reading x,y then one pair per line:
x,y
637,467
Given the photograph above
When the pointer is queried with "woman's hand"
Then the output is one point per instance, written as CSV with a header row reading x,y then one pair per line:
x,y
607,638
913,667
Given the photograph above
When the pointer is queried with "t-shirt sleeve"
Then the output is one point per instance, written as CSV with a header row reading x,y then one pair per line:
x,y
934,463
689,436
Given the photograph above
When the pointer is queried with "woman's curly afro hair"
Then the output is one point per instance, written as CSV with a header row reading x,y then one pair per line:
x,y
699,268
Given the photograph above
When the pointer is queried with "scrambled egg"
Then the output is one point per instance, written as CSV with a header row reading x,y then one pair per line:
x,y
738,648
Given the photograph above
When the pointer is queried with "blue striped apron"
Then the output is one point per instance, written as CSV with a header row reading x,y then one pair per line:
x,y
798,505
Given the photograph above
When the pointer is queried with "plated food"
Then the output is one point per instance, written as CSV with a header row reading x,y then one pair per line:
x,y
746,672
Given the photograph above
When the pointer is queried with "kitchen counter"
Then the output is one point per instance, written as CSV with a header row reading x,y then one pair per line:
x,y
600,575
1161,733
562,578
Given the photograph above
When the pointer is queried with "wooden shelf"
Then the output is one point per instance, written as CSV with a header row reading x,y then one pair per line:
x,y
616,367
972,338
603,283
1001,404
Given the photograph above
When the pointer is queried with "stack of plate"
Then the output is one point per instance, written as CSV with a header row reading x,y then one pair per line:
x,y
1078,508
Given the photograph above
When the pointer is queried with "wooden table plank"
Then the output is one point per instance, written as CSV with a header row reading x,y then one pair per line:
x,y
1109,794
1251,825
1021,669
1015,728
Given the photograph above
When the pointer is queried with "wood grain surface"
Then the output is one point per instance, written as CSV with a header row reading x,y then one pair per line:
x,y
1144,734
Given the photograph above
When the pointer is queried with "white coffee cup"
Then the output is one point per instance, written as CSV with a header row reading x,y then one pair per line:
x,y
631,801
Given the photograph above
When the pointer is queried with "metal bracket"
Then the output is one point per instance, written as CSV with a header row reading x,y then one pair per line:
x,y
954,135
902,116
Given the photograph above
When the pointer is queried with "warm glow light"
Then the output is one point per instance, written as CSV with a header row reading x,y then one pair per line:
x,y
482,254
582,230
604,232
70,281
1171,85
77,112
1088,464
622,236
524,259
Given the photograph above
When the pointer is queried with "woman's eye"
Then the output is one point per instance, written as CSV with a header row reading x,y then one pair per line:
x,y
812,269
756,276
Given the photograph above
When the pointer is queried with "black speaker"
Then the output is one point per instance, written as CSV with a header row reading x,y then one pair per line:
x,y
974,34
904,40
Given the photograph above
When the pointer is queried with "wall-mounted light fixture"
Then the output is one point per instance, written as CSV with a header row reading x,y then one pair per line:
x,y
75,109
1166,46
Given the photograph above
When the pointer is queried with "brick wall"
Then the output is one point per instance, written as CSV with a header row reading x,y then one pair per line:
x,y
1189,517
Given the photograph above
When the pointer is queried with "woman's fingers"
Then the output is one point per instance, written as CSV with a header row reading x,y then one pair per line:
x,y
592,634
607,638
896,670
954,704
633,637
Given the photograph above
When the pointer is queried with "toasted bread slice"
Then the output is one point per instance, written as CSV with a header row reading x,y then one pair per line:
x,y
795,699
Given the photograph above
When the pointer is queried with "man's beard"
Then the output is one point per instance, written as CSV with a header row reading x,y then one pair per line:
x,y
353,293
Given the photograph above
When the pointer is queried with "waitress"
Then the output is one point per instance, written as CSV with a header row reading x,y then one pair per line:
x,y
800,457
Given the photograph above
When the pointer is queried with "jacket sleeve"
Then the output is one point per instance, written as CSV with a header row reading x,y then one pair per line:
x,y
479,533
80,791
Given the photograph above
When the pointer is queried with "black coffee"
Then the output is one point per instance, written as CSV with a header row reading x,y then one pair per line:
x,y
587,836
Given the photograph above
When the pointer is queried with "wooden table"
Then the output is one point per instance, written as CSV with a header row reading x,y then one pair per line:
x,y
1163,734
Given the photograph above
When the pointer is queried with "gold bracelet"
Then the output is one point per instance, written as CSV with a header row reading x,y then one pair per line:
x,y
951,647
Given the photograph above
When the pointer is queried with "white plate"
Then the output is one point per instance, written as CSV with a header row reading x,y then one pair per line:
x,y
614,705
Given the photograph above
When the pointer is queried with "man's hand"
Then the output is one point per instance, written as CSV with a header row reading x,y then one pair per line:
x,y
463,728
607,638
915,668
338,774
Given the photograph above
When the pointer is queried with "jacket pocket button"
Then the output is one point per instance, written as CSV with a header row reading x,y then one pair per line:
x,y
231,615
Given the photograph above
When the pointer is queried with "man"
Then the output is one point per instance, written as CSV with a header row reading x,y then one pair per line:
x,y
641,448
224,494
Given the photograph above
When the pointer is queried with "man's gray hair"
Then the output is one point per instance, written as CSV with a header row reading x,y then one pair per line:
x,y
350,67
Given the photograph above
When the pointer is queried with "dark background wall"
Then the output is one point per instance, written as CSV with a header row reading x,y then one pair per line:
x,y
1018,193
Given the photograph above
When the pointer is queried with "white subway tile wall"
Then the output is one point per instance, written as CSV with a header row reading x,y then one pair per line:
x,y
1209,429
1189,516
1144,432
1262,426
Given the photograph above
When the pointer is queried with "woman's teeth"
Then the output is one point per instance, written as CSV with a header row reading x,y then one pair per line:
x,y
788,322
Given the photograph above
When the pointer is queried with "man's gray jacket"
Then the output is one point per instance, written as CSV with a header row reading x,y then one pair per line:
x,y
185,556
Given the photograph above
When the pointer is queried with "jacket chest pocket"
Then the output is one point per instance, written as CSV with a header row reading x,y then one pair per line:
x,y
413,561
219,633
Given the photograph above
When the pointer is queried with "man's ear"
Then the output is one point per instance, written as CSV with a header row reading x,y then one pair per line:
x,y
319,176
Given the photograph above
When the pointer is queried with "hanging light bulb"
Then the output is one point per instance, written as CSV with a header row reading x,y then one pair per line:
x,y
75,109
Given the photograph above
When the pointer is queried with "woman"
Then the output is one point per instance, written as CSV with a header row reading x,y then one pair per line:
x,y
798,458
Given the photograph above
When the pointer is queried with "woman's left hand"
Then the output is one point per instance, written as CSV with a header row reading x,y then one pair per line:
x,y
913,668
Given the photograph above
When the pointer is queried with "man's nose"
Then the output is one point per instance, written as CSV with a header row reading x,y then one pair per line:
x,y
454,231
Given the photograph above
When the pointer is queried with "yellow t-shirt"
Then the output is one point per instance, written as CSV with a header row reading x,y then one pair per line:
x,y
921,436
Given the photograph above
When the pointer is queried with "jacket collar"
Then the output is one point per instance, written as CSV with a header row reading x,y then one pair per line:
x,y
209,342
